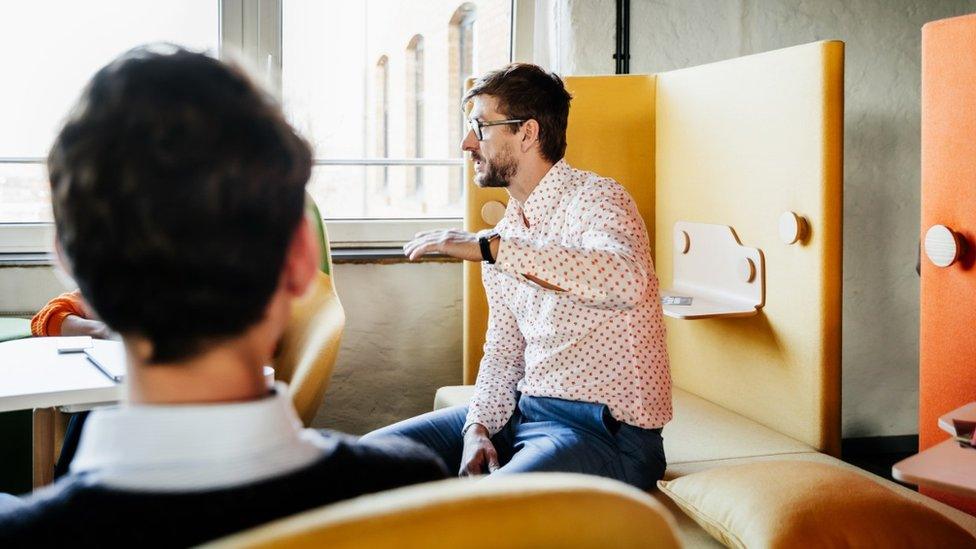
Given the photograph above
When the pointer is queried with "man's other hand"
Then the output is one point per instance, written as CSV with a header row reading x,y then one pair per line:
x,y
74,325
478,452
450,242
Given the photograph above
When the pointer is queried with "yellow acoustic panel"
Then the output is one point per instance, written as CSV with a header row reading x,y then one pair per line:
x,y
611,132
739,143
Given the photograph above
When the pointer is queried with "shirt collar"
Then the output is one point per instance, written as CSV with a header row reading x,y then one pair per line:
x,y
196,446
547,193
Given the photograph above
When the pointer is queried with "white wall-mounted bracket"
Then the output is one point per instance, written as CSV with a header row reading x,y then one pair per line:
x,y
714,274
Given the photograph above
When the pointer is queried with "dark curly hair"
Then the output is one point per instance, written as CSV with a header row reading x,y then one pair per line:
x,y
177,186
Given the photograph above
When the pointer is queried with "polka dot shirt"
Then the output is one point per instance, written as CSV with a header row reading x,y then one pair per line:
x,y
593,329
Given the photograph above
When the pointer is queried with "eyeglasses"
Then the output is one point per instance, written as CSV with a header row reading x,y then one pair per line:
x,y
477,125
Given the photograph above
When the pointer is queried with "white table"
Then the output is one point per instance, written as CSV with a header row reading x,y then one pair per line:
x,y
33,376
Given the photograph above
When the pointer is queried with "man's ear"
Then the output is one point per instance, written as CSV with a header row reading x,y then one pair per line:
x,y
530,134
302,261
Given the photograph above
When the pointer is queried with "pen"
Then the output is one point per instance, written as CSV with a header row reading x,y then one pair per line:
x,y
100,368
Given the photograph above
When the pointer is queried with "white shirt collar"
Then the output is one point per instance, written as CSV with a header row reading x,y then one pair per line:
x,y
196,446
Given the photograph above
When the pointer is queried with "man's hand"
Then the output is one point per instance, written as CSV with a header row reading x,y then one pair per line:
x,y
478,452
451,242
74,325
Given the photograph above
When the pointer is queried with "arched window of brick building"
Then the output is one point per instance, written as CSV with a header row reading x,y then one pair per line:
x,y
415,109
381,145
460,66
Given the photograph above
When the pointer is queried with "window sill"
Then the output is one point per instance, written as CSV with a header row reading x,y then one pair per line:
x,y
39,259
351,256
382,256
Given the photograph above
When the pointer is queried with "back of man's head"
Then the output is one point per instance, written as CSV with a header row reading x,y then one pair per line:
x,y
177,186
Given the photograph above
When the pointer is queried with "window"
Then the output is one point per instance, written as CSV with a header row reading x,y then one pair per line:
x,y
45,62
371,85
341,69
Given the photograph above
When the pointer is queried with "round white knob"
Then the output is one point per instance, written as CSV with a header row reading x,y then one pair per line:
x,y
747,270
942,245
792,228
682,242
492,212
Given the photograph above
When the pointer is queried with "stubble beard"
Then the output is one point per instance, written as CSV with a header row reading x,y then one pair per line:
x,y
499,171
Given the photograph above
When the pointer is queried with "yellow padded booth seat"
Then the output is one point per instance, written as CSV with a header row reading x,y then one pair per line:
x,y
738,143
519,511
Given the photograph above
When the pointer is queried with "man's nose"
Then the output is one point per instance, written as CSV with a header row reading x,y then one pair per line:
x,y
470,142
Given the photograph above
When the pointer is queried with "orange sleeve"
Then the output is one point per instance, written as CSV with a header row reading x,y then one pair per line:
x,y
47,321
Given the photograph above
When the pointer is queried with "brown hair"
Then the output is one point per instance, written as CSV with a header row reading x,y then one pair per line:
x,y
527,91
177,186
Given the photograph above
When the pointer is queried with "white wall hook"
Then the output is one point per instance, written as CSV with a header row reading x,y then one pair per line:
x,y
943,246
792,228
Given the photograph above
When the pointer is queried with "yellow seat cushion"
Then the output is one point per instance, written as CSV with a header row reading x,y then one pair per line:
x,y
453,395
696,421
799,503
704,431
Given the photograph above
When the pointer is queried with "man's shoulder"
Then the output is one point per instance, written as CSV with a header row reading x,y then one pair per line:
x,y
29,520
592,190
589,184
80,508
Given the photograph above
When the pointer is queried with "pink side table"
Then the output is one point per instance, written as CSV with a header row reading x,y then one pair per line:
x,y
945,466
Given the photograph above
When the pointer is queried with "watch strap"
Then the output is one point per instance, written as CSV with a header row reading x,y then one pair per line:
x,y
484,242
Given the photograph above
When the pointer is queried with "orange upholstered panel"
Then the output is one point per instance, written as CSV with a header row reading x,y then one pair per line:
x,y
948,316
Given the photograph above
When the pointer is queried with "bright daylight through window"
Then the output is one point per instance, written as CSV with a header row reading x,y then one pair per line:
x,y
50,49
376,87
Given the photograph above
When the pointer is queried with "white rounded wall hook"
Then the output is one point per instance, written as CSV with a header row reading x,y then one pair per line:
x,y
792,228
943,246
682,242
492,212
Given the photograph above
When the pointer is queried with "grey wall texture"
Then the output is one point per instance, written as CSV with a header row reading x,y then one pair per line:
x,y
402,339
881,153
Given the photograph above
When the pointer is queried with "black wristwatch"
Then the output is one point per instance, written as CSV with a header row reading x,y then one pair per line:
x,y
485,243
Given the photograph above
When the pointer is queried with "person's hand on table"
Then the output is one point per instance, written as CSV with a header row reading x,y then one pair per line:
x,y
479,453
74,325
450,242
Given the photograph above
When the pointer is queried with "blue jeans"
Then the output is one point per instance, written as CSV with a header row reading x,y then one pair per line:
x,y
548,434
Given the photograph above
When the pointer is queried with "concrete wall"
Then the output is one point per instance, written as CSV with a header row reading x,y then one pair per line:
x,y
402,338
881,173
402,342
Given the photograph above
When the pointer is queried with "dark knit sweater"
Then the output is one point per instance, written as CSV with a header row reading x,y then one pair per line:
x,y
78,512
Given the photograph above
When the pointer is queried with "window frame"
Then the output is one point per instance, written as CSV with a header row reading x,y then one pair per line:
x,y
252,29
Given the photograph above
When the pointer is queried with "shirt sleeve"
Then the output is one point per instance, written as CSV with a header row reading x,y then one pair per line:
x,y
503,363
606,267
47,321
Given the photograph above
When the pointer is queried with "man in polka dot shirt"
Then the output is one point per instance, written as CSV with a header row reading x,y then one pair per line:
x,y
575,373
